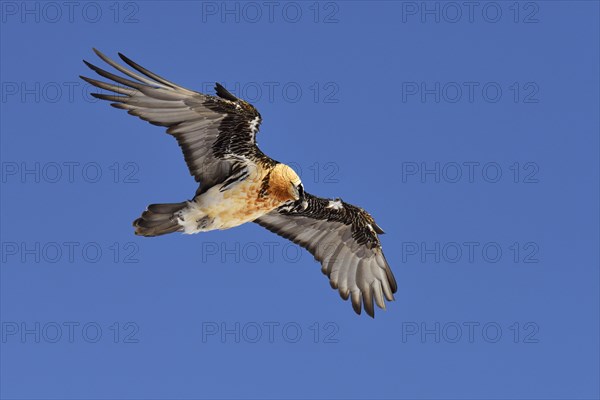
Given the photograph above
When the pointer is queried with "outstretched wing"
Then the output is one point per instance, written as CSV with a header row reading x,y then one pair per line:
x,y
216,133
344,239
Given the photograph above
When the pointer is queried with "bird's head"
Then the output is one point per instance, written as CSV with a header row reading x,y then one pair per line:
x,y
286,184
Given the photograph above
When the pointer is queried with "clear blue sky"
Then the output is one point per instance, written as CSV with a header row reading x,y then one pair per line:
x,y
470,132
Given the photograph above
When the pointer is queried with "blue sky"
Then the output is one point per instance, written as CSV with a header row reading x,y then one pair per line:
x,y
469,131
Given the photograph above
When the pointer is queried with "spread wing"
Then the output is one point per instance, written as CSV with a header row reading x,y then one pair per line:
x,y
216,133
344,239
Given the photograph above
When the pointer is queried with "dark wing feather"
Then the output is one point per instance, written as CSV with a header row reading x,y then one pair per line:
x,y
344,239
216,133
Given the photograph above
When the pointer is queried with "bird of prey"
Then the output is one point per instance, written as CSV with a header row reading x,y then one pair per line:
x,y
238,183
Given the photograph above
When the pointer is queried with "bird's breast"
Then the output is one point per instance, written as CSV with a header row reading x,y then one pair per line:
x,y
240,203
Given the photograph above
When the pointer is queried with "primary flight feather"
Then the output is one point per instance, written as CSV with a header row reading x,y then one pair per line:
x,y
238,183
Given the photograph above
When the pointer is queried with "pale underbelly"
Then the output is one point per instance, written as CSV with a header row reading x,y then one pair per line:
x,y
223,210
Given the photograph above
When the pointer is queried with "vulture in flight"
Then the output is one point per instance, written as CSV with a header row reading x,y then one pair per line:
x,y
238,183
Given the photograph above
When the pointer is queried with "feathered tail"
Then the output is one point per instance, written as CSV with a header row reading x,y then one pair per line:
x,y
159,219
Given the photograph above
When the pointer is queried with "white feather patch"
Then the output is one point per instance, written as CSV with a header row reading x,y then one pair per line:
x,y
254,125
188,217
335,204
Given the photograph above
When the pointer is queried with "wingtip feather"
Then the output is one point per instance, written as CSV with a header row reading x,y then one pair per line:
x,y
224,93
356,302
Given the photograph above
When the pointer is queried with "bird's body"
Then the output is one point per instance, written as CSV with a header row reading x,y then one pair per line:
x,y
240,184
229,205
